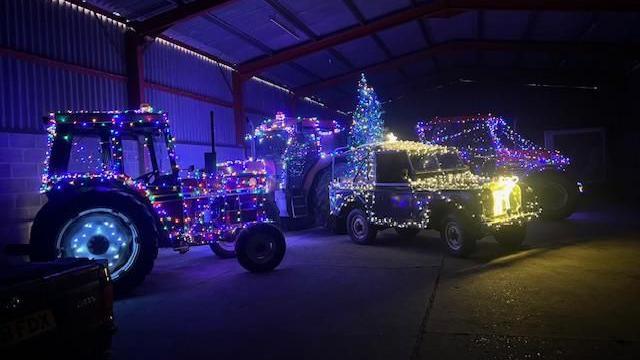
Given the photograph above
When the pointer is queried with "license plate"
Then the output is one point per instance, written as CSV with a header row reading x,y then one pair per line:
x,y
26,327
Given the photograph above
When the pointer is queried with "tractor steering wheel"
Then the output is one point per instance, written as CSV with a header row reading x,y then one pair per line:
x,y
147,177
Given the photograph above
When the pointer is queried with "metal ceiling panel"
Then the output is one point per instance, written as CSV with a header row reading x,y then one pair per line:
x,y
322,17
372,9
225,44
506,25
135,10
461,26
557,26
259,20
285,74
404,38
323,64
615,27
362,52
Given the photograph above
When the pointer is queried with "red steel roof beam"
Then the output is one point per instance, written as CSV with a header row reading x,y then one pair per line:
x,y
157,24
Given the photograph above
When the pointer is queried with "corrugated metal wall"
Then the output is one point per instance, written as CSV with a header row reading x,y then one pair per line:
x,y
168,65
266,98
57,30
31,90
190,118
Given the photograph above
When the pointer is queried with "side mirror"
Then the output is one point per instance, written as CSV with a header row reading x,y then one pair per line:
x,y
405,174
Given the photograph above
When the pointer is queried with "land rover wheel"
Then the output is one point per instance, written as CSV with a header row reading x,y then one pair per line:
x,y
458,235
112,227
407,233
359,229
260,247
557,193
511,236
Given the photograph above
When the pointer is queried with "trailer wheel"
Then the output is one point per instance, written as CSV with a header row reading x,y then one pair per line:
x,y
260,247
458,235
114,227
223,248
359,229
511,236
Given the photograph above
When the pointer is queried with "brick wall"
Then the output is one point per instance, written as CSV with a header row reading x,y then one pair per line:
x,y
21,158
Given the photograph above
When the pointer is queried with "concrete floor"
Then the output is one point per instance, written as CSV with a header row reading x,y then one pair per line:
x,y
572,292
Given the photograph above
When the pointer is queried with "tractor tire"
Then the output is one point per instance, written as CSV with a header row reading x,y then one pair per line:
x,y
407,233
557,193
320,205
511,236
260,247
320,198
359,229
458,235
114,226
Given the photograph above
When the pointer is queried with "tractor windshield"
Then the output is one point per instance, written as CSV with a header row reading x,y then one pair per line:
x,y
146,153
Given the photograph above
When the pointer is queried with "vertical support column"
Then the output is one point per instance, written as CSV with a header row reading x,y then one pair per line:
x,y
293,105
237,85
135,69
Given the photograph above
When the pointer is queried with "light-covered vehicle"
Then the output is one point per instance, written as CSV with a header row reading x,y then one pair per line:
x,y
410,186
491,147
115,193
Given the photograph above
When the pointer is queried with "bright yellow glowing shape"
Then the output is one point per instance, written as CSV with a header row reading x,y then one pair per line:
x,y
506,196
391,137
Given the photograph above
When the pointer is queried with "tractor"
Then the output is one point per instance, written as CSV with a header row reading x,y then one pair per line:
x,y
115,193
298,152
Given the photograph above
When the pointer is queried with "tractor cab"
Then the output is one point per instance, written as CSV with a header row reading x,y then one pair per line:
x,y
136,144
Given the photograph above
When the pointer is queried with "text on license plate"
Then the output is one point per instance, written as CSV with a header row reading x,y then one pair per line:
x,y
26,327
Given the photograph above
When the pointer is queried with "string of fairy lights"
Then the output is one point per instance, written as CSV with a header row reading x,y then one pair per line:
x,y
490,136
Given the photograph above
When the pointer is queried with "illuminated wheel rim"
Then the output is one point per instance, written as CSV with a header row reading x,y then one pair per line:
x,y
453,236
555,196
260,249
101,234
359,227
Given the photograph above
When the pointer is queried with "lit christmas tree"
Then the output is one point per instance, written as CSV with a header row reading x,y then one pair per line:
x,y
367,125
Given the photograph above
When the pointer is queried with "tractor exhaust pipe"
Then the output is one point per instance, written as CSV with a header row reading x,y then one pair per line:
x,y
210,157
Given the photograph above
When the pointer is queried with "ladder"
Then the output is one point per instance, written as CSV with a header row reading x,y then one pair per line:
x,y
299,207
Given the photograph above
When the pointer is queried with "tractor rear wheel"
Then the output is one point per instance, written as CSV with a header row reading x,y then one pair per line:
x,y
558,194
320,205
113,227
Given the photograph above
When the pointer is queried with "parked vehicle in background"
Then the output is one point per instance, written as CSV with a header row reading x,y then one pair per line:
x,y
410,186
298,152
115,193
491,148
57,309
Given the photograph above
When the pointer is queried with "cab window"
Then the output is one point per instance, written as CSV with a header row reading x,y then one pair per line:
x,y
392,167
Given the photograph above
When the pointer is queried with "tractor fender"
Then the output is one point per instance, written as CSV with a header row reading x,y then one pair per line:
x,y
314,171
68,195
